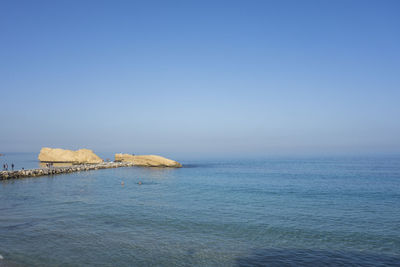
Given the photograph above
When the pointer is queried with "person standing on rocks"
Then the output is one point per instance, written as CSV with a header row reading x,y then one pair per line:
x,y
12,166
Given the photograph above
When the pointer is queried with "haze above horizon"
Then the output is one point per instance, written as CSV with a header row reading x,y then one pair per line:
x,y
201,77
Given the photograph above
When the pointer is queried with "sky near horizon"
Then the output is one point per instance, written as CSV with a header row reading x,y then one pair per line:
x,y
201,77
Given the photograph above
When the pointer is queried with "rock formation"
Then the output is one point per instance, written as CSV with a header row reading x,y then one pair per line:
x,y
147,160
5,175
62,155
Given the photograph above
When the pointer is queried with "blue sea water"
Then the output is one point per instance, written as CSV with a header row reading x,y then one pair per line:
x,y
269,212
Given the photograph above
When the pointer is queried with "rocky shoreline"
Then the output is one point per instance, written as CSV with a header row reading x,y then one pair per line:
x,y
5,175
87,156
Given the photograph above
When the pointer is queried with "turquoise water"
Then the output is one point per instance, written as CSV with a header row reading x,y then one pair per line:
x,y
272,212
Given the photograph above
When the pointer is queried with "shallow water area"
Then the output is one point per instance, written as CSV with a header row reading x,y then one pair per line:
x,y
275,212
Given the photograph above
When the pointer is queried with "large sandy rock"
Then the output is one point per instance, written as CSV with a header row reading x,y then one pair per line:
x,y
147,160
63,155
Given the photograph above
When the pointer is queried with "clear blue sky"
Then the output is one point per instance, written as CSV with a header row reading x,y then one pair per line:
x,y
199,77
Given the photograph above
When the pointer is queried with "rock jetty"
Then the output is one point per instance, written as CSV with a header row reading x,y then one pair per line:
x,y
80,156
147,160
4,175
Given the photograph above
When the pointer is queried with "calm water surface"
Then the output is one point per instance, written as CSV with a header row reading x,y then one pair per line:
x,y
272,212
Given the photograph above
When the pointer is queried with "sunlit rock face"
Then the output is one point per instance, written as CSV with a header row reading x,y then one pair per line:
x,y
63,155
148,160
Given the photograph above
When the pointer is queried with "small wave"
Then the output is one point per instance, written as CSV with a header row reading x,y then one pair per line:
x,y
1,257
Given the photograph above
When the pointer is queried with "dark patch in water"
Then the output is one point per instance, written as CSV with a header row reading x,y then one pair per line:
x,y
308,257
204,165
6,263
19,226
186,166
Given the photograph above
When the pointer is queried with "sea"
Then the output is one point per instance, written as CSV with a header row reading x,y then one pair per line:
x,y
275,211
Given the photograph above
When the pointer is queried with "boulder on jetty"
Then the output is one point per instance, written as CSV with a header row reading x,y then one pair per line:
x,y
62,155
147,160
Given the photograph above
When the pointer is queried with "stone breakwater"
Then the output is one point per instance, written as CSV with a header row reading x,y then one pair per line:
x,y
4,175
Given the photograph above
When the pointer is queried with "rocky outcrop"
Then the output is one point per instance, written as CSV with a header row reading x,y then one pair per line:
x,y
147,160
62,155
5,175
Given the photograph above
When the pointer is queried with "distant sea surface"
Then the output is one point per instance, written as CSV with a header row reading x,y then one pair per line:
x,y
270,212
